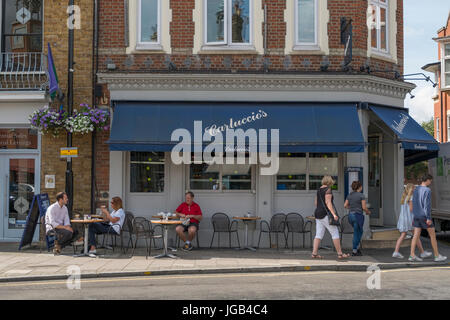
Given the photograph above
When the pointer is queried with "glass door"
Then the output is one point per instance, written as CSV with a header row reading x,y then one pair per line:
x,y
375,180
19,185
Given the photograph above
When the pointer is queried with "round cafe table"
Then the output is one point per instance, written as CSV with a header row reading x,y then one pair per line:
x,y
246,221
86,224
166,224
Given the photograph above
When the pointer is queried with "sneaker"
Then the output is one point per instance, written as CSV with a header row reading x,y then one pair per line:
x,y
92,251
415,258
357,254
398,255
425,254
190,247
92,255
79,242
440,258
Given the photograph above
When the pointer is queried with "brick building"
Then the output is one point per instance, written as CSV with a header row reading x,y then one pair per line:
x,y
164,64
325,73
441,69
27,156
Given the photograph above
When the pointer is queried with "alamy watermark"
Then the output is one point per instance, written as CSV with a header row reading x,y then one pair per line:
x,y
73,282
74,19
374,280
230,143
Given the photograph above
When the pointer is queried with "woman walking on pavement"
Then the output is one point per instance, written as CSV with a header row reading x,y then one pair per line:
x,y
356,203
405,223
324,204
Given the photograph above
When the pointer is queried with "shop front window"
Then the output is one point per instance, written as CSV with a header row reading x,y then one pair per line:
x,y
292,172
220,177
147,172
304,171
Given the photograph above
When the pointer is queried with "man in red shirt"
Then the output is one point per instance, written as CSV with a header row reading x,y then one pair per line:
x,y
189,210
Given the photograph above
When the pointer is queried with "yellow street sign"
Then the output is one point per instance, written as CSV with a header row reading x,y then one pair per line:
x,y
69,152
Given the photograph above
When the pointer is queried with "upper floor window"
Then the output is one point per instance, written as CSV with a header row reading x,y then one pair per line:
x,y
227,22
21,26
446,66
149,22
378,23
306,22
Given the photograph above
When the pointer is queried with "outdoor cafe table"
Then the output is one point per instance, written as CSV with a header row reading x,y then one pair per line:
x,y
166,224
246,221
86,232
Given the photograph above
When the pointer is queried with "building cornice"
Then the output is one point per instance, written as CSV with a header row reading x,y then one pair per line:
x,y
257,82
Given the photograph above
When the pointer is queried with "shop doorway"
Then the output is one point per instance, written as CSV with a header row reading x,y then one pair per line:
x,y
19,182
375,180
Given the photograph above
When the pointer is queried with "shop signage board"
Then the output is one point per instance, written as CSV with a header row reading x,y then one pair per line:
x,y
352,174
37,210
69,153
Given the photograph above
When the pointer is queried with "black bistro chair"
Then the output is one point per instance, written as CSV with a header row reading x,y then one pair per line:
x,y
127,227
142,229
277,225
221,224
296,224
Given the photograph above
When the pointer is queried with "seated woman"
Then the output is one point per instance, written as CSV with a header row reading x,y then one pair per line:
x,y
113,223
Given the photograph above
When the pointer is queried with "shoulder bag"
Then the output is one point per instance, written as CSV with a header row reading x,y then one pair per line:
x,y
331,220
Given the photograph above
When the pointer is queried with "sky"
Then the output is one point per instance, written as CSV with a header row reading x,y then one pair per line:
x,y
422,20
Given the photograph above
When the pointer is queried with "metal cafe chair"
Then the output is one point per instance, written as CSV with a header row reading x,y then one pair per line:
x,y
296,224
277,225
142,229
221,224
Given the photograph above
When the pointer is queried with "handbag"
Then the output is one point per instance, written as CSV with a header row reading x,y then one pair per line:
x,y
331,219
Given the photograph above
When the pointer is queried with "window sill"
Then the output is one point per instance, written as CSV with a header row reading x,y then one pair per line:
x,y
382,56
307,50
149,48
228,49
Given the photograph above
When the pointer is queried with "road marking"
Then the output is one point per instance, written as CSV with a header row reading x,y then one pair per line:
x,y
204,276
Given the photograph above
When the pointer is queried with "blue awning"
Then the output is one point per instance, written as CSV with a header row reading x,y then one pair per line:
x,y
148,126
409,133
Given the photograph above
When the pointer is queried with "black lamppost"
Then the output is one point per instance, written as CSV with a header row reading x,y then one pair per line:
x,y
69,173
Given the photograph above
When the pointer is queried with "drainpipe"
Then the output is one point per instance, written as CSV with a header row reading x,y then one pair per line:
x,y
94,82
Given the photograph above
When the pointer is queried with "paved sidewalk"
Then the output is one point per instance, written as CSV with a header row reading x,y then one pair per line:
x,y
30,264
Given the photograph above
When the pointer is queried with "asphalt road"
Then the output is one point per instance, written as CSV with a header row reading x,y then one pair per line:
x,y
424,283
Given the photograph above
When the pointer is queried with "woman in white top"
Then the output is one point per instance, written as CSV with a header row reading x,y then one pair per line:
x,y
113,223
405,222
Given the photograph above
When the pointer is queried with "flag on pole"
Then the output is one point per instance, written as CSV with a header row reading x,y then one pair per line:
x,y
52,76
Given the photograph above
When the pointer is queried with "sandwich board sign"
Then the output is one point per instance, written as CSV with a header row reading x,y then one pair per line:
x,y
37,210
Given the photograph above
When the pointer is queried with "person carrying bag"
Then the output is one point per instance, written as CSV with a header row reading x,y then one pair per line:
x,y
326,218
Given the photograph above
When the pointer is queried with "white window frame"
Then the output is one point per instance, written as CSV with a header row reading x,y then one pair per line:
x,y
443,71
308,190
128,177
378,4
448,128
220,190
315,44
146,44
438,130
228,38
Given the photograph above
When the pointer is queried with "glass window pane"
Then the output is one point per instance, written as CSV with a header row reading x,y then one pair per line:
x,y
21,191
447,79
320,165
447,50
204,177
383,29
373,30
18,139
149,20
236,177
215,21
241,21
447,65
306,21
147,172
292,172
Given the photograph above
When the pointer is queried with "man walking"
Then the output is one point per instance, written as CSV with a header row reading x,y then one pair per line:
x,y
57,217
422,218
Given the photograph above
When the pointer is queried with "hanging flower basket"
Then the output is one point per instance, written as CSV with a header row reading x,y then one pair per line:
x,y
84,121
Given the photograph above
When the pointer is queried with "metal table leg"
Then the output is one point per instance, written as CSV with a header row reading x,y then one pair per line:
x,y
246,247
166,254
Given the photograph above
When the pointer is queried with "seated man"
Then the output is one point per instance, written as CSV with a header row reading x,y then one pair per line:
x,y
57,217
114,219
189,210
